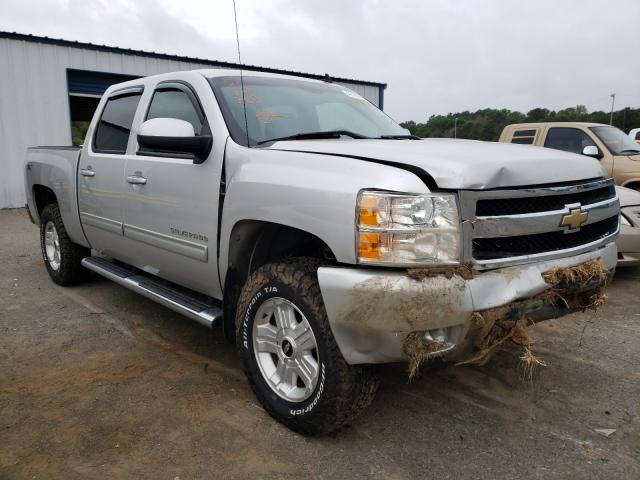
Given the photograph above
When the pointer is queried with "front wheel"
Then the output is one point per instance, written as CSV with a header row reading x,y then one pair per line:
x,y
290,357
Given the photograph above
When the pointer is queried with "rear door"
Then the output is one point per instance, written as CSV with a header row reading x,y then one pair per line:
x,y
101,185
171,216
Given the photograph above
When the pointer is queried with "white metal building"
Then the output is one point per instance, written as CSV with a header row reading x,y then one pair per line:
x,y
49,85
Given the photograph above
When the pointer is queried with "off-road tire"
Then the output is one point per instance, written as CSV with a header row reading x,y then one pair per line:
x,y
342,390
70,271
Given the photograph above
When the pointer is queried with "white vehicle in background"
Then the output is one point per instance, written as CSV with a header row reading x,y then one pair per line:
x,y
635,135
629,240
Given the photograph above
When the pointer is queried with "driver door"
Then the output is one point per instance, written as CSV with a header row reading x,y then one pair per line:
x,y
171,214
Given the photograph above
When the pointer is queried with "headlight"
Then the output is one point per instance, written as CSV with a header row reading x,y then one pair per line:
x,y
402,229
624,221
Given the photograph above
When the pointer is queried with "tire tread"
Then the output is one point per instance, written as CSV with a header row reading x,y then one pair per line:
x,y
71,271
357,383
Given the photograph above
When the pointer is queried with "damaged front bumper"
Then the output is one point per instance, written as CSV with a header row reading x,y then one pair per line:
x,y
371,311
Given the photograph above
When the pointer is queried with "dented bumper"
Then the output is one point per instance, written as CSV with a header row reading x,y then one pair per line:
x,y
371,311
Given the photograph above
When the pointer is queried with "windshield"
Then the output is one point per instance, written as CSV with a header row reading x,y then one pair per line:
x,y
278,107
616,141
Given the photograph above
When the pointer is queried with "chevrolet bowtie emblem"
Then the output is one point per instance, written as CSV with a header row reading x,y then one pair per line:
x,y
574,219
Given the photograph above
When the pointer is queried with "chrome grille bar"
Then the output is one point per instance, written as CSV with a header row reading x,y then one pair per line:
x,y
540,222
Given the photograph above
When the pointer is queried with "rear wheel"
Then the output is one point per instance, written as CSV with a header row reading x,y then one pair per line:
x,y
61,256
290,357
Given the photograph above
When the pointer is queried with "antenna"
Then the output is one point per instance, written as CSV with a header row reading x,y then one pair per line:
x,y
244,103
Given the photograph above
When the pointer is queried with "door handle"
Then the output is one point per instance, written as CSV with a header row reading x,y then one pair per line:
x,y
136,179
87,172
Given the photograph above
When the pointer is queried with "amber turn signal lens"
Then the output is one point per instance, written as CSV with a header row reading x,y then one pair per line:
x,y
369,245
368,212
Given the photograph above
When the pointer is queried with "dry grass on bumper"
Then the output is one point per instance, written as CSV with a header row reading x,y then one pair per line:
x,y
494,328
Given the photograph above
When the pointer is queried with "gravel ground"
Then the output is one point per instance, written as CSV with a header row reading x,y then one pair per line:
x,y
98,382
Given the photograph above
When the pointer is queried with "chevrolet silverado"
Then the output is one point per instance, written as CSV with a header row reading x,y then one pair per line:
x,y
316,232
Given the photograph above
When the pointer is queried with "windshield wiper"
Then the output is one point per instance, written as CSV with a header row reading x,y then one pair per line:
x,y
400,137
630,150
314,135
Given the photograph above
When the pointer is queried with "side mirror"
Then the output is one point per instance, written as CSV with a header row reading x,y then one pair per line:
x,y
592,151
172,137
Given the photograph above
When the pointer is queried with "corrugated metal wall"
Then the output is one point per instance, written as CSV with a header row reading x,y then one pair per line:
x,y
34,101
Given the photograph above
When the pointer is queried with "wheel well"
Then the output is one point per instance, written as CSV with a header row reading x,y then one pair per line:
x,y
43,196
634,185
255,243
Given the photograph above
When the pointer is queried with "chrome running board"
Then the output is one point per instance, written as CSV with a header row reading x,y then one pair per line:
x,y
149,287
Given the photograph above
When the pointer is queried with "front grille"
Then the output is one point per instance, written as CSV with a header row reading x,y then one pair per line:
x,y
520,205
510,226
505,247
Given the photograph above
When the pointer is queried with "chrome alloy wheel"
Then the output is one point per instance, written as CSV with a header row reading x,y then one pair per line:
x,y
286,350
52,245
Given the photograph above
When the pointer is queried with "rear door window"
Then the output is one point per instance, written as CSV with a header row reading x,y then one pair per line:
x,y
114,126
568,139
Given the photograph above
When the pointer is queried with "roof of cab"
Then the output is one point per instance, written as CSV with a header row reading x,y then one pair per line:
x,y
222,72
207,73
556,124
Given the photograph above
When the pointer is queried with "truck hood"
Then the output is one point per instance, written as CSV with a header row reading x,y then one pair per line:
x,y
462,164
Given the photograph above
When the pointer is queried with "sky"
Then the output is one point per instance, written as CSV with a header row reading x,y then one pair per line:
x,y
437,56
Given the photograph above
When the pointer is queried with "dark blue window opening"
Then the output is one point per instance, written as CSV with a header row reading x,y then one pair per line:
x,y
85,89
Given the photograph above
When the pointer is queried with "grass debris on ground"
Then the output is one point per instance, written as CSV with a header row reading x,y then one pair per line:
x,y
529,363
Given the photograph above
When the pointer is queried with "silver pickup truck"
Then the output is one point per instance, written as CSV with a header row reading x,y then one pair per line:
x,y
319,234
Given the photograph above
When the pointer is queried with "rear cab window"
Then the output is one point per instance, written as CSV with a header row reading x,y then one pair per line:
x,y
114,126
525,136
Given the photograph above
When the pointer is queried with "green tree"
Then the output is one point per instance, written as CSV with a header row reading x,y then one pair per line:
x,y
487,123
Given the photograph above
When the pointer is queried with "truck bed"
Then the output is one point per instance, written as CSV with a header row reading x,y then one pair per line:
x,y
55,168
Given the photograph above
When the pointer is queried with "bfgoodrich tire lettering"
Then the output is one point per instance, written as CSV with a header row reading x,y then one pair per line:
x,y
341,391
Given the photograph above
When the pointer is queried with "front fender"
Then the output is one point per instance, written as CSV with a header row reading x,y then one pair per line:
x,y
310,192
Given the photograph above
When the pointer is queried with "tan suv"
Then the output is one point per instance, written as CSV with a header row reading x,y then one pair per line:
x,y
618,154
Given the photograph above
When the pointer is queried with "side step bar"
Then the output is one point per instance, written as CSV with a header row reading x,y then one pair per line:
x,y
151,288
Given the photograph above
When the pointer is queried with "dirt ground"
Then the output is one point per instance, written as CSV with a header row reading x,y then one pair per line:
x,y
98,382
